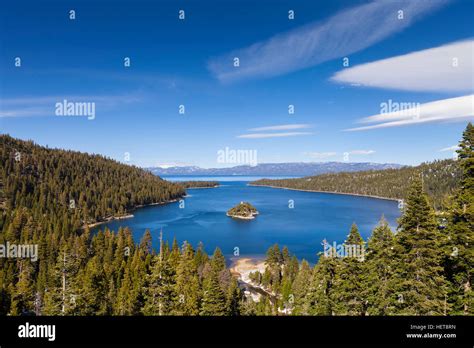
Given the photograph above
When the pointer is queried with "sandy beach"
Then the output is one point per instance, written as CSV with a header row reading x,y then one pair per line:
x,y
242,267
128,216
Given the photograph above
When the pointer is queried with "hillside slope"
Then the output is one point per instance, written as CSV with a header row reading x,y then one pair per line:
x,y
75,187
440,179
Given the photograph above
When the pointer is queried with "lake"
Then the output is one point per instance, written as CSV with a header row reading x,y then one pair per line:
x,y
302,228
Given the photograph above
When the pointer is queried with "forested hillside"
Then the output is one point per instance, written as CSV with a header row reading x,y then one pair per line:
x,y
198,184
422,269
74,188
440,179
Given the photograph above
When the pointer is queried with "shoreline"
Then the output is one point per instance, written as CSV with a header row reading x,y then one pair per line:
x,y
243,266
331,192
123,217
241,217
195,188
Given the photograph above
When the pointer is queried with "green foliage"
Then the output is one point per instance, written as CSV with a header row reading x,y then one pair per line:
x,y
198,184
347,294
379,271
459,258
49,196
243,209
319,298
419,283
441,178
74,188
423,269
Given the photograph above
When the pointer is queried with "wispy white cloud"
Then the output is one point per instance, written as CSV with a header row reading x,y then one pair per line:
x,y
51,99
446,110
45,105
272,135
280,127
361,152
346,32
450,148
320,155
24,112
446,68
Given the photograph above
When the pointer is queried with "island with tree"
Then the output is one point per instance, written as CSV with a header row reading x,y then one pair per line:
x,y
243,210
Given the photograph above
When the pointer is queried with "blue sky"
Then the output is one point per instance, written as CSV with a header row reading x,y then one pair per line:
x,y
423,58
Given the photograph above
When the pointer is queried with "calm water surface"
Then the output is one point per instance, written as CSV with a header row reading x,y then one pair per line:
x,y
315,216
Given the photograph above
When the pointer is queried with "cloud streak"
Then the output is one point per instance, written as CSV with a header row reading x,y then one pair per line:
x,y
446,110
280,127
272,135
320,155
446,68
450,148
361,152
345,33
45,105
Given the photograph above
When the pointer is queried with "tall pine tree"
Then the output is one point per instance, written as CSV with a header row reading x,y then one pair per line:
x,y
419,282
379,268
459,261
347,295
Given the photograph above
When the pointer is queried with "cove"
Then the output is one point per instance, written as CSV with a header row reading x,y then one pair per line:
x,y
313,218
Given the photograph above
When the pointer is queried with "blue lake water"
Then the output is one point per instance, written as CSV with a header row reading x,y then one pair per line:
x,y
315,216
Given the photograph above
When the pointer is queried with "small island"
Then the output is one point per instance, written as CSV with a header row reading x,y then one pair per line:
x,y
198,184
243,210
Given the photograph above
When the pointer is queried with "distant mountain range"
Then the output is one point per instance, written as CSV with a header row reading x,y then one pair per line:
x,y
299,168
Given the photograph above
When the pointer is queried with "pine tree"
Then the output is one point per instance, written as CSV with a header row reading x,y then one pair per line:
x,y
146,242
319,298
233,298
379,268
214,298
62,288
23,296
91,299
420,285
347,295
187,283
300,288
160,293
459,261
273,261
125,304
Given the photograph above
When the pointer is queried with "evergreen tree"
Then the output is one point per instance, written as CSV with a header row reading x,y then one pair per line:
x,y
379,268
187,283
319,298
160,292
90,299
214,298
273,261
459,261
347,295
62,288
301,287
23,295
420,285
233,298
